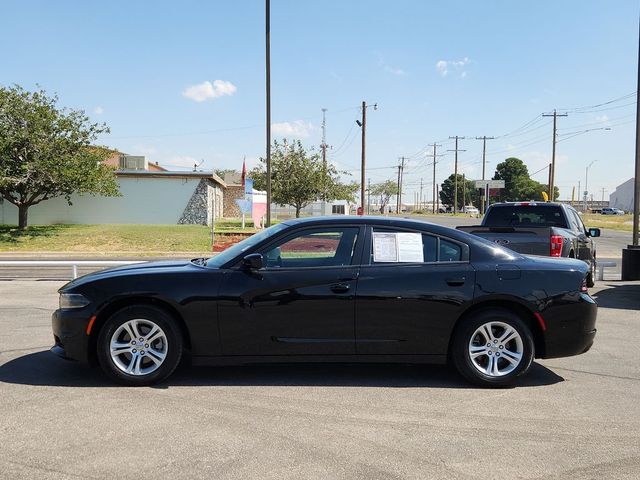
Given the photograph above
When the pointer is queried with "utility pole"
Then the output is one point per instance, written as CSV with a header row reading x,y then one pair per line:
x,y
549,182
484,139
552,176
268,87
420,199
363,125
369,197
636,182
464,193
401,174
323,147
398,194
435,187
455,174
579,193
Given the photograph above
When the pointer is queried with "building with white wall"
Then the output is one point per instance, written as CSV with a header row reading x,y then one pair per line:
x,y
622,197
147,197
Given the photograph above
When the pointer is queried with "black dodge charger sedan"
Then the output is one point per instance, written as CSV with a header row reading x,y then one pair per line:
x,y
332,289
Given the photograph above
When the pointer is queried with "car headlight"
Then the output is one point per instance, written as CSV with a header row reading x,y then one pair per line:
x,y
73,300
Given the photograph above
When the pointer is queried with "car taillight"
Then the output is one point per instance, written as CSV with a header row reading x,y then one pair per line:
x,y
556,246
583,287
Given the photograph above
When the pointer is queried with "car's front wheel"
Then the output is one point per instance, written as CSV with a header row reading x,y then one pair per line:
x,y
492,347
139,345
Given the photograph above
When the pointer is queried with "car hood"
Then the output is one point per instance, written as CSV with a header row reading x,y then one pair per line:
x,y
142,268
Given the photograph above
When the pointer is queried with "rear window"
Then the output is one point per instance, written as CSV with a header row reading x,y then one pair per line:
x,y
525,216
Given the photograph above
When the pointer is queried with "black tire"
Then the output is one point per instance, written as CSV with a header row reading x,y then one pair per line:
x,y
171,343
592,275
467,328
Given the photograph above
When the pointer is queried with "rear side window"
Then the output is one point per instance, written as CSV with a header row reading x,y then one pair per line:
x,y
391,246
449,251
524,216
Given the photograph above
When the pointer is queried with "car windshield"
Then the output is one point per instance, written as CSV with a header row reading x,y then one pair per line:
x,y
240,247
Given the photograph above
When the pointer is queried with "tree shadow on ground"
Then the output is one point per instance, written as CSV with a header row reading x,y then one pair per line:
x,y
45,369
13,235
622,296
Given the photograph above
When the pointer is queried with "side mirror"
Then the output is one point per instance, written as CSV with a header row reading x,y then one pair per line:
x,y
594,232
253,261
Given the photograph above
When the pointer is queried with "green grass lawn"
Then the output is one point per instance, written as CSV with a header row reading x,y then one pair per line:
x,y
611,222
147,240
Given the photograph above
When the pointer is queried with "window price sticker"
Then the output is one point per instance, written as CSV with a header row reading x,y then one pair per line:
x,y
397,247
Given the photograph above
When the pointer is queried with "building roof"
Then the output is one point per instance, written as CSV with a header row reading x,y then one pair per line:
x,y
164,174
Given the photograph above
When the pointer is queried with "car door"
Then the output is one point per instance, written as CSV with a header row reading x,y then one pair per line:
x,y
409,305
302,302
584,242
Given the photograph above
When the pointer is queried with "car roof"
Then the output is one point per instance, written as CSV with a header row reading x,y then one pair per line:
x,y
358,219
384,222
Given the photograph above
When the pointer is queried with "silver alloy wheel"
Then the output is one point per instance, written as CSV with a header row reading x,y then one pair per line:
x,y
496,349
138,347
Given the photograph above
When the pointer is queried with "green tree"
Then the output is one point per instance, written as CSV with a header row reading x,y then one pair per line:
x,y
518,185
299,178
468,194
46,151
385,190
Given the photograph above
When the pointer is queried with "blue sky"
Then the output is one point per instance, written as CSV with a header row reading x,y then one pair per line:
x,y
435,68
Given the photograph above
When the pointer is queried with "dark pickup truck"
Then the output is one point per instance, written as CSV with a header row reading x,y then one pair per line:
x,y
537,228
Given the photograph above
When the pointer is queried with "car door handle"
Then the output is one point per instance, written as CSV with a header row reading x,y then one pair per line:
x,y
455,282
339,287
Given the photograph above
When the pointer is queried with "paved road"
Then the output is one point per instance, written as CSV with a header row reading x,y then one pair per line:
x,y
575,418
610,247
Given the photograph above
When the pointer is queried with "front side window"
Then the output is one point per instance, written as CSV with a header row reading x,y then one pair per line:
x,y
314,248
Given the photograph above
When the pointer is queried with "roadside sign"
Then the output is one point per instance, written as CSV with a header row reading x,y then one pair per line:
x,y
489,183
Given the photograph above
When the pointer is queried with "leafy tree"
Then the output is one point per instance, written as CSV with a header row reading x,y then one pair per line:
x,y
385,190
299,178
467,191
518,185
46,151
221,172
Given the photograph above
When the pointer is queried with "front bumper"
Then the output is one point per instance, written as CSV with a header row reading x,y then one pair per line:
x,y
69,333
571,326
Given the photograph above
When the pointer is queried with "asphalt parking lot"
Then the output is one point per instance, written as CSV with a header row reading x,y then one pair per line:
x,y
572,418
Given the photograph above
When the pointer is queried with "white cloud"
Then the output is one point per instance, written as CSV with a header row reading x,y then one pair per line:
x,y
394,71
98,110
208,91
144,150
444,67
295,129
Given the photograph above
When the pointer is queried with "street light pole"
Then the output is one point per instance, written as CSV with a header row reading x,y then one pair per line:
x,y
362,172
586,184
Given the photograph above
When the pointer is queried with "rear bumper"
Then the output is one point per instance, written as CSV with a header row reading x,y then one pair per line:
x,y
571,326
70,340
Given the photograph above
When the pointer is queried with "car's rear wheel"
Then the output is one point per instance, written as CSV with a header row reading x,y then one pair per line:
x,y
139,345
591,276
492,347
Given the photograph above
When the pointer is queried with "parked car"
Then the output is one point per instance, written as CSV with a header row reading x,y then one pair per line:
x,y
540,228
612,211
333,289
471,210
